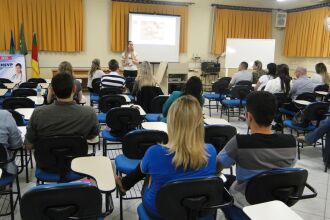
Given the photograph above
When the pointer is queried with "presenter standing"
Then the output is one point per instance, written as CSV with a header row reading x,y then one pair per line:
x,y
130,61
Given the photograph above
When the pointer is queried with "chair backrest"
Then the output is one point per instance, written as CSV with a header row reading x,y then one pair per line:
x,y
219,135
54,154
28,85
123,120
157,103
96,85
108,102
190,199
221,86
281,98
61,201
5,80
244,83
23,92
136,143
17,102
19,119
240,92
323,88
37,80
110,91
307,96
277,184
145,96
316,111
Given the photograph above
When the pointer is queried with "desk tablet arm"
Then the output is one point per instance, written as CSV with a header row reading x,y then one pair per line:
x,y
307,196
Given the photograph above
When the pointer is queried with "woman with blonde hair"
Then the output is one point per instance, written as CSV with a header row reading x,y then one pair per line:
x,y
94,73
144,78
66,67
257,71
321,76
185,156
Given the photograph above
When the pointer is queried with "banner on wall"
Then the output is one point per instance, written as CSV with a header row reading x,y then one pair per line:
x,y
12,67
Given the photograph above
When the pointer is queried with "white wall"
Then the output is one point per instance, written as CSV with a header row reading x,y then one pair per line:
x,y
97,39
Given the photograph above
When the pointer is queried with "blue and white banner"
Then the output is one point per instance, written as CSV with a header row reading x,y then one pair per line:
x,y
12,67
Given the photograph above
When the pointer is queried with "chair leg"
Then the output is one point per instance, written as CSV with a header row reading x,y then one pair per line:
x,y
121,207
18,189
31,161
298,151
26,166
11,202
104,147
210,108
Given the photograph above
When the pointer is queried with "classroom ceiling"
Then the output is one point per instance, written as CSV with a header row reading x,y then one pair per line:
x,y
286,4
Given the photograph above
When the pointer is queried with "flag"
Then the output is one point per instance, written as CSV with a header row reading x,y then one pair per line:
x,y
12,43
34,56
22,44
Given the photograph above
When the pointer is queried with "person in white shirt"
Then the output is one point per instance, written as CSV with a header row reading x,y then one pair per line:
x,y
321,76
17,77
94,73
281,84
263,80
242,75
130,61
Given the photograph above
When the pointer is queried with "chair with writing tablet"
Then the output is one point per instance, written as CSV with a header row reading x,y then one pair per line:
x,y
28,85
17,102
94,96
189,199
108,102
23,92
134,146
37,80
156,108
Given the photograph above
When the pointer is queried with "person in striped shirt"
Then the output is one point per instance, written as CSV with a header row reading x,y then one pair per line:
x,y
113,79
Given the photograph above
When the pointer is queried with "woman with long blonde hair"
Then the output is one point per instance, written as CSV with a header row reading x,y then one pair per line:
x,y
321,76
144,78
94,73
184,156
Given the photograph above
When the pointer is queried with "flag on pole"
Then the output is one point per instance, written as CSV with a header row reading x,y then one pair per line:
x,y
12,43
35,63
22,44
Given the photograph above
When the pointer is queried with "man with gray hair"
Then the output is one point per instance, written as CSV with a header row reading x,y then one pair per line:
x,y
302,84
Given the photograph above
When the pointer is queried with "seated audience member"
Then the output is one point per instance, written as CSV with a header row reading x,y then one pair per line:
x,y
259,151
263,80
281,84
113,79
302,84
184,157
318,133
66,67
144,78
321,76
242,75
64,116
257,71
193,87
94,73
10,137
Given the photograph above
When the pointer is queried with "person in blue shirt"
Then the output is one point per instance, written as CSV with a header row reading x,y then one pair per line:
x,y
318,133
193,87
185,156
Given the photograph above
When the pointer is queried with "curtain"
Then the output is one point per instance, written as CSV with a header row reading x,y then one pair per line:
x,y
58,23
306,34
239,24
119,21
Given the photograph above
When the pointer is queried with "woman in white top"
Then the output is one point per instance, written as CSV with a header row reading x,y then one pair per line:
x,y
281,84
263,80
130,61
94,73
321,76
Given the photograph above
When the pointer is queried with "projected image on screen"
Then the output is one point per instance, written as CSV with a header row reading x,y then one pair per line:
x,y
153,30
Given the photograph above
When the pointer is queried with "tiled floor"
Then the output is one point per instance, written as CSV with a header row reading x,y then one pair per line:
x,y
310,209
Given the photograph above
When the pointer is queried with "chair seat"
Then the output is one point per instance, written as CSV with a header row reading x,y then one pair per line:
x,y
153,117
101,117
107,136
213,96
287,112
233,102
125,165
6,180
94,98
289,123
52,177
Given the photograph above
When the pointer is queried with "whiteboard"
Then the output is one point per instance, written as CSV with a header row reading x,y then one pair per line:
x,y
249,50
156,38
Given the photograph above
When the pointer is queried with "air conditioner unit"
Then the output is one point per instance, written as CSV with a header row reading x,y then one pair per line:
x,y
281,19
